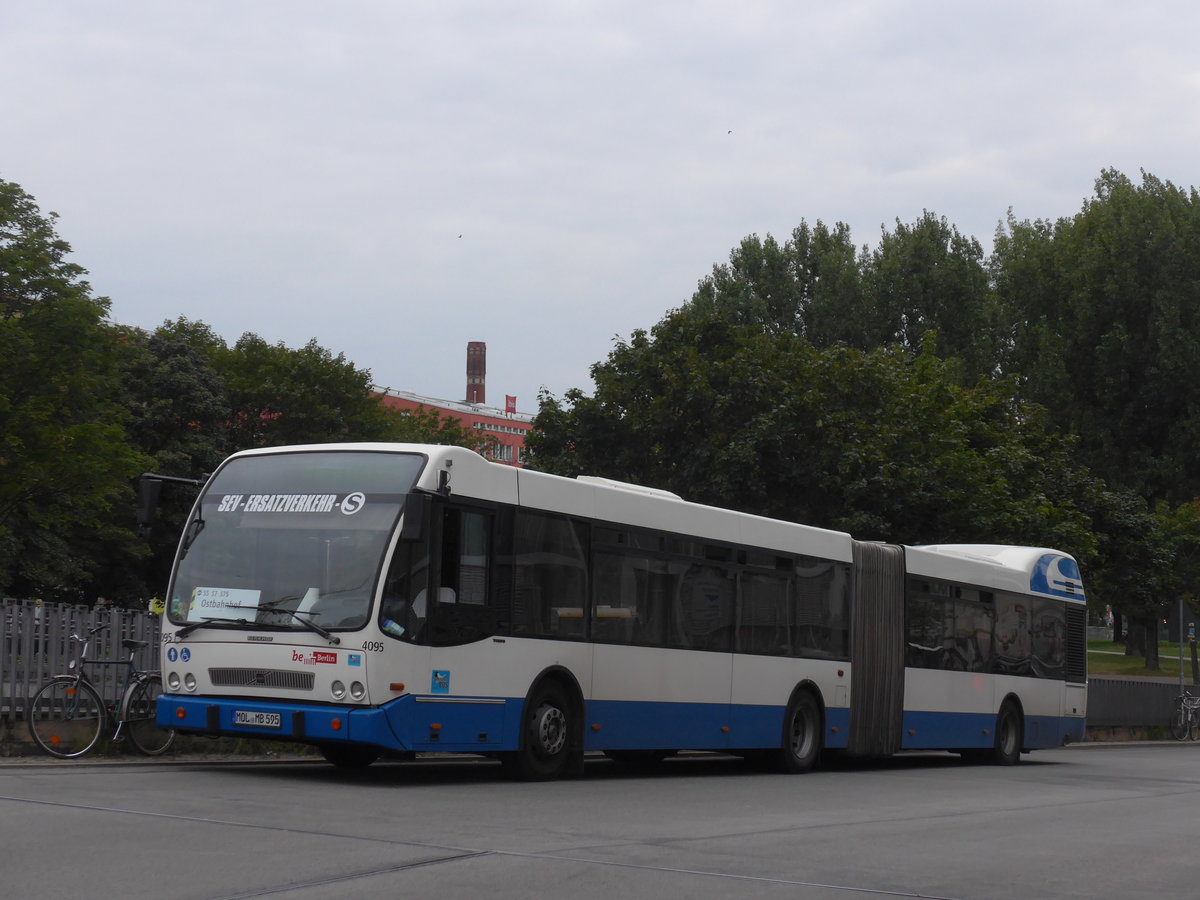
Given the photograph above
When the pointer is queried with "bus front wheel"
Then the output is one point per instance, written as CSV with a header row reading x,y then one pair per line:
x,y
546,736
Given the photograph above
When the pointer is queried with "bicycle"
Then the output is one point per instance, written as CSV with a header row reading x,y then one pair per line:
x,y
1185,721
67,715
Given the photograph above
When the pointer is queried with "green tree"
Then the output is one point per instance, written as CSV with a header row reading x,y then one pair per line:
x,y
808,286
922,279
881,443
1105,319
1131,571
927,278
1180,527
282,396
64,459
179,419
428,426
176,397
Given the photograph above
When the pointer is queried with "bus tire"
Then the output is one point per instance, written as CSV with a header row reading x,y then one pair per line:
x,y
349,756
546,725
1010,734
801,744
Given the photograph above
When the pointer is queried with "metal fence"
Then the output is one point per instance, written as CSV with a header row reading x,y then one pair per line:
x,y
1128,703
36,644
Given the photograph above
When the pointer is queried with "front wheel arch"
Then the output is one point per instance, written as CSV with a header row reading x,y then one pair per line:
x,y
802,732
553,702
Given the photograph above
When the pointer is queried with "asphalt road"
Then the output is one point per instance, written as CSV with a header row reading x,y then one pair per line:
x,y
1094,821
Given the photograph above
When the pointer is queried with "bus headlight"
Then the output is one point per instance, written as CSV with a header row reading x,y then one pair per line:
x,y
173,681
189,681
358,690
338,690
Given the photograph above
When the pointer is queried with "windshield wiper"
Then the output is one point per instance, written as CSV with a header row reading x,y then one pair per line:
x,y
188,629
270,606
193,531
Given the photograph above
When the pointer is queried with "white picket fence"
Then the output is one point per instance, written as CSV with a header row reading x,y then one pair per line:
x,y
36,644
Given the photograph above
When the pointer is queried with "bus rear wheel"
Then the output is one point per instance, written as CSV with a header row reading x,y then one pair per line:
x,y
801,744
1006,745
545,736
1010,734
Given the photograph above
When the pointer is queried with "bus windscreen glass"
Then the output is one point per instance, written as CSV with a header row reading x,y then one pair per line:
x,y
288,541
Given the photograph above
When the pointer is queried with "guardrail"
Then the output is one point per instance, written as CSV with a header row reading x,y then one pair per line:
x,y
36,643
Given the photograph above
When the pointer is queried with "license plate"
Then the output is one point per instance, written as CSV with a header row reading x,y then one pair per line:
x,y
257,719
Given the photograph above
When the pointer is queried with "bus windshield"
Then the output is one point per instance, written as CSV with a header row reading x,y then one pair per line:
x,y
290,541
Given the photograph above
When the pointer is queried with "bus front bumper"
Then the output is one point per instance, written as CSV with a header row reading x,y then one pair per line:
x,y
410,723
273,720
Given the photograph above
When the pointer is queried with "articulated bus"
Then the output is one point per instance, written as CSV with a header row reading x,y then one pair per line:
x,y
381,600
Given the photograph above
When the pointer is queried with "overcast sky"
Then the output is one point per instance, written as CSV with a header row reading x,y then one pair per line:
x,y
396,178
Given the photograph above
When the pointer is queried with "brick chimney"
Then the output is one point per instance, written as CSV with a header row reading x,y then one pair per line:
x,y
476,371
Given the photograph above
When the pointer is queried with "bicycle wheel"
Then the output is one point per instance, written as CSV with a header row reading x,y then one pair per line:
x,y
138,715
1180,722
1194,723
65,717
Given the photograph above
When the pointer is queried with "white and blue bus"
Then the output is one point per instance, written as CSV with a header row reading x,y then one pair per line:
x,y
387,599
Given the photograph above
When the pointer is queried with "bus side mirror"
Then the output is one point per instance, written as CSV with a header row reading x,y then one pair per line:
x,y
416,513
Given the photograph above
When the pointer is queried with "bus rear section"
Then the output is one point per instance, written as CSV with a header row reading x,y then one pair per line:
x,y
989,656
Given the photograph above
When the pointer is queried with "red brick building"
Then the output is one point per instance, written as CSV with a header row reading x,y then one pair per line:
x,y
506,426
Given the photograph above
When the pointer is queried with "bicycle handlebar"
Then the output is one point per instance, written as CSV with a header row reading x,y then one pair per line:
x,y
91,631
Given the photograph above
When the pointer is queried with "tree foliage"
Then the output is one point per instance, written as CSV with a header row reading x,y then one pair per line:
x,y
1105,316
86,406
923,391
64,458
922,279
880,443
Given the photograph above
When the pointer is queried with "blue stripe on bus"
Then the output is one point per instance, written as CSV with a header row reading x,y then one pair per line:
x,y
938,731
488,725
493,724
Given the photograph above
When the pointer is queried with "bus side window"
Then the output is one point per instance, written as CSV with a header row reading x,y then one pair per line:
x,y
1049,639
924,628
464,569
462,612
616,591
704,613
819,613
973,628
551,584
1012,635
763,623
403,610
